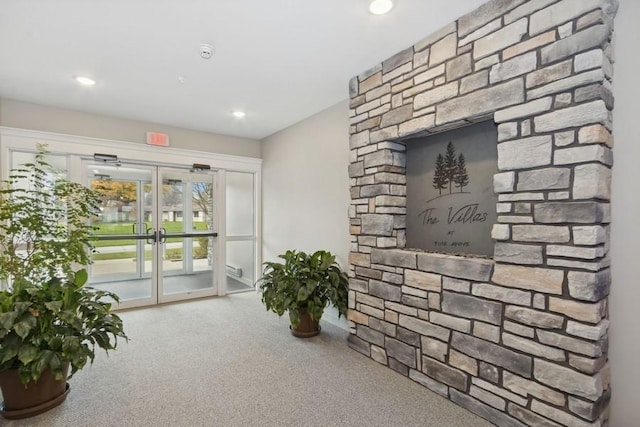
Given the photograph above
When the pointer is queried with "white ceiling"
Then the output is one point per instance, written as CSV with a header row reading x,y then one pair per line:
x,y
280,60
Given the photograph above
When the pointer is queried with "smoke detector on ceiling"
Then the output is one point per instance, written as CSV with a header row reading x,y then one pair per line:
x,y
206,51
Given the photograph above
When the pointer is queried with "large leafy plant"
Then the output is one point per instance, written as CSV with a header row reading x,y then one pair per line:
x,y
304,283
48,318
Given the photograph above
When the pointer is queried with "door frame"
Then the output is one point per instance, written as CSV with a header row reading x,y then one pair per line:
x,y
77,148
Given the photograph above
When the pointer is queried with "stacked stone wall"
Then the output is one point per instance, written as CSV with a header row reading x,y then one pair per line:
x,y
520,339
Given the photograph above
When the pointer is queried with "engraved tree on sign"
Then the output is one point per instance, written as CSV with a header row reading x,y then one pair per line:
x,y
450,171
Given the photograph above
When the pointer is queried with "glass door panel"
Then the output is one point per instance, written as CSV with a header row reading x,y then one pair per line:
x,y
187,235
122,259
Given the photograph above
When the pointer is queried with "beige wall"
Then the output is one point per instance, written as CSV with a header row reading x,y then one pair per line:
x,y
305,187
624,301
49,119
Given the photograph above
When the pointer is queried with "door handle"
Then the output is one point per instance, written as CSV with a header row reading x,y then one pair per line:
x,y
162,235
151,233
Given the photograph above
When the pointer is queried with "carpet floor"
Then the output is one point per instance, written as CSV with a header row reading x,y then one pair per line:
x,y
228,362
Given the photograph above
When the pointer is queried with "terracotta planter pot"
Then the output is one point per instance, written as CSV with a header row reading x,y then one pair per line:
x,y
23,401
307,327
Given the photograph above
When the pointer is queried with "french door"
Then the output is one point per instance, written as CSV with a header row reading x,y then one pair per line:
x,y
156,235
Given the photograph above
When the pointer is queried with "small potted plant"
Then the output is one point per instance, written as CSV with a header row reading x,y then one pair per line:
x,y
49,321
304,284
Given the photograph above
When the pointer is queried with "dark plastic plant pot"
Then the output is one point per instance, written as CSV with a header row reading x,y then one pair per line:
x,y
22,401
307,328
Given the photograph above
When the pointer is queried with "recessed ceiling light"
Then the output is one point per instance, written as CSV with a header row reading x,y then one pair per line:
x,y
239,114
380,7
181,79
85,81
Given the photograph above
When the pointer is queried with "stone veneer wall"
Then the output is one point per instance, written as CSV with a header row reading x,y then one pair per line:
x,y
520,339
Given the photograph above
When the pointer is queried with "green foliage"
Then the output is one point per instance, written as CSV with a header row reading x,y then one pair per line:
x,y
44,228
304,282
47,316
47,324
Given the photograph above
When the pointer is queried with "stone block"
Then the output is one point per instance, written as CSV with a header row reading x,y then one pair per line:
x,y
429,383
371,82
377,224
595,134
488,372
568,380
500,39
456,285
399,367
424,328
478,269
435,96
525,153
540,233
518,329
575,252
443,49
524,110
398,59
394,257
396,279
444,373
368,124
425,76
408,336
529,45
374,190
463,362
481,32
504,182
359,259
397,115
400,351
386,328
513,67
574,345
415,302
434,348
358,344
384,134
385,291
591,37
422,280
458,67
562,139
600,90
586,364
475,81
471,307
483,101
486,331
544,179
499,391
371,312
485,13
408,290
369,300
571,212
395,76
378,354
515,219
370,335
583,114
483,410
357,317
526,9
529,418
560,13
589,410
589,60
416,125
488,398
501,232
378,158
595,17
589,286
508,295
420,59
592,181
549,74
525,387
532,347
492,353
451,322
565,84
591,313
538,319
564,418
529,278
588,153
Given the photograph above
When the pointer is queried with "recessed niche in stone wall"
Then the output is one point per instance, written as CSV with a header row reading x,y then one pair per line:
x,y
451,206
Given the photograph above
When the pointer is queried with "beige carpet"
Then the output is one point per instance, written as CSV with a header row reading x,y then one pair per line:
x,y
228,362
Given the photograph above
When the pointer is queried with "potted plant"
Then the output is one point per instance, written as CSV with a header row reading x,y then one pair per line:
x,y
304,284
49,321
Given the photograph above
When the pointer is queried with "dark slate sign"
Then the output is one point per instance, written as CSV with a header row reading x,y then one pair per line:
x,y
451,206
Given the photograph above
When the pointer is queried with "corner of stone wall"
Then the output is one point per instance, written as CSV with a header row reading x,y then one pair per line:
x,y
520,339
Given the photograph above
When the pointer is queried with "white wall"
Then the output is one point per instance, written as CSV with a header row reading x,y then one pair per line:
x,y
305,187
624,300
240,220
24,115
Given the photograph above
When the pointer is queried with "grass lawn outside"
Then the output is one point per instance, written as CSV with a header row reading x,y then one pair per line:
x,y
119,228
